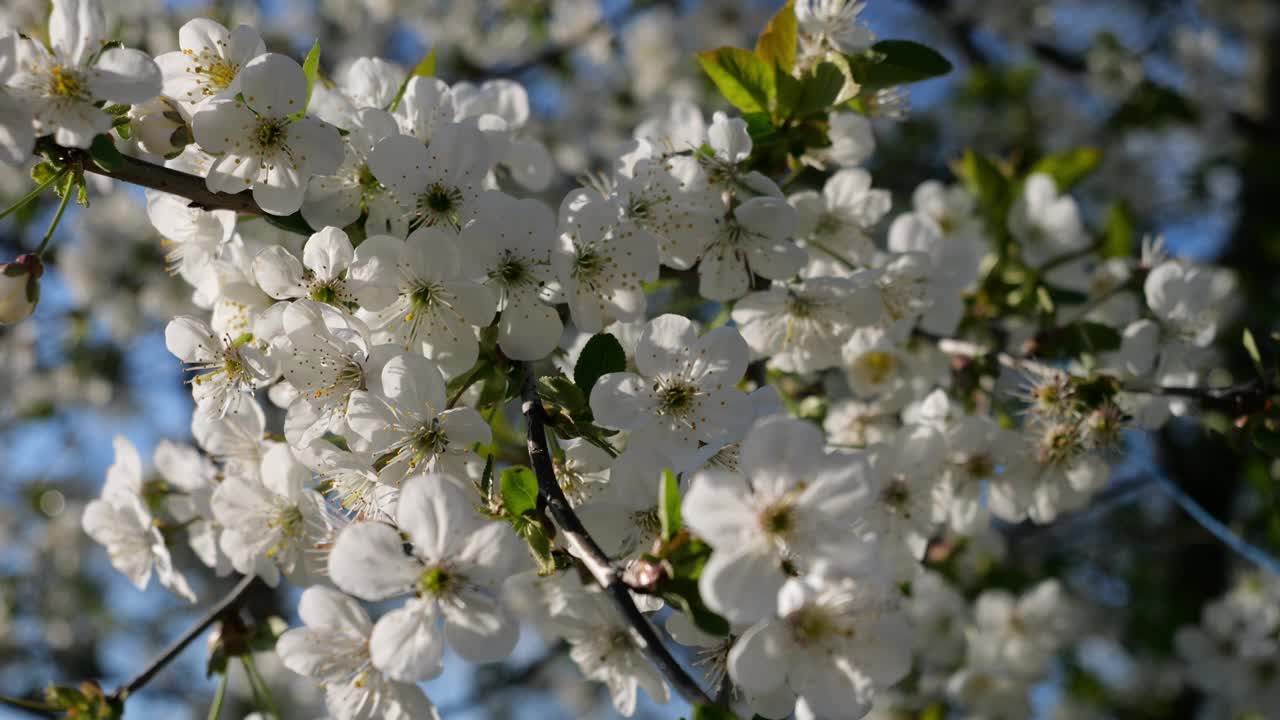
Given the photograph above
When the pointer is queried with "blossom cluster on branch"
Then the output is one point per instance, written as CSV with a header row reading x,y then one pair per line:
x,y
774,473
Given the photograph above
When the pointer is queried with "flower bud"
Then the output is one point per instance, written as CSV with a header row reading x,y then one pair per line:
x,y
19,288
161,126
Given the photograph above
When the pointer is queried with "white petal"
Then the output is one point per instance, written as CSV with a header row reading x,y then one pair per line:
x,y
191,340
328,253
758,659
274,85
279,273
622,401
666,345
414,384
77,29
741,586
368,560
406,644
127,76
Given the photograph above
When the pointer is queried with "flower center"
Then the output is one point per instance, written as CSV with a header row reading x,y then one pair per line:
x,y
896,495
369,184
439,204
68,83
511,272
350,377
979,466
438,581
588,263
288,520
828,224
778,518
676,397
219,72
877,365
270,134
811,625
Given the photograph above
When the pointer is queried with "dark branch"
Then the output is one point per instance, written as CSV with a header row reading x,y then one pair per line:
x,y
225,607
592,556
158,177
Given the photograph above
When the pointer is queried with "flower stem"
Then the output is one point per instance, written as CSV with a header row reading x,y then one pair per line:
x,y
261,693
39,189
216,708
57,217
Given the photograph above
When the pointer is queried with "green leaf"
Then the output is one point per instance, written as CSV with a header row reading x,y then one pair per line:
x,y
1070,167
788,92
890,63
818,91
682,594
519,488
294,223
712,712
104,153
777,44
1266,439
1251,347
1152,106
426,67
1119,237
310,68
1080,338
603,354
669,504
743,78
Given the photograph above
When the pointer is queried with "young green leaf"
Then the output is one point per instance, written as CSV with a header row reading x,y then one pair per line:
x,y
310,68
743,78
104,153
603,354
1118,233
1070,167
777,44
519,488
669,504
1251,347
897,62
426,67
819,91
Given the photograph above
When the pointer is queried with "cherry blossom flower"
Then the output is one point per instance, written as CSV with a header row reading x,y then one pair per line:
x,y
63,88
208,61
790,507
119,520
683,393
333,648
262,146
457,565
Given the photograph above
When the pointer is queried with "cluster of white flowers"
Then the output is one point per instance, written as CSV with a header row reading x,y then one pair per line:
x,y
424,267
1233,656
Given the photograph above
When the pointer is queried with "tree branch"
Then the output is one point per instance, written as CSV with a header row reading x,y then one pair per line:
x,y
580,542
228,604
158,177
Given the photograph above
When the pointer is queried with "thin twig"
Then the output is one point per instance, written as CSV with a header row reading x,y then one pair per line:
x,y
30,706
581,544
1233,397
224,606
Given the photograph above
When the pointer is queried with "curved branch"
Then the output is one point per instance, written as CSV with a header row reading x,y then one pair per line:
x,y
227,605
592,556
